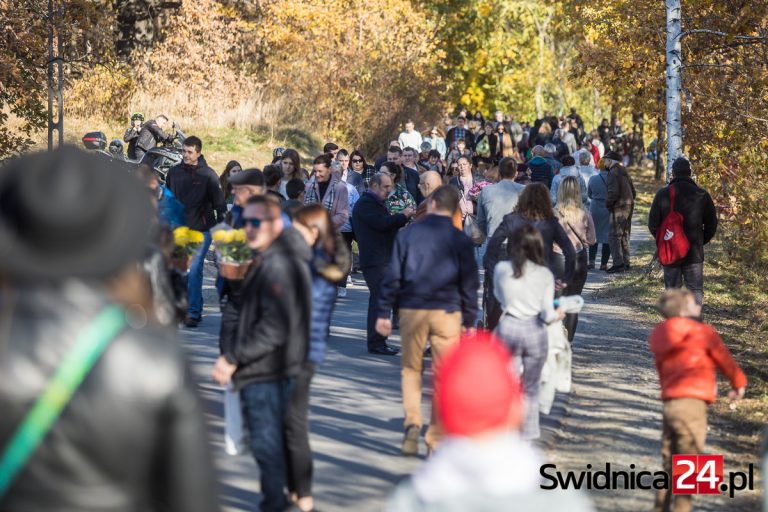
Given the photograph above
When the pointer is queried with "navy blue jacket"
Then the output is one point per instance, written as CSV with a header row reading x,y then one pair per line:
x,y
432,267
375,230
541,171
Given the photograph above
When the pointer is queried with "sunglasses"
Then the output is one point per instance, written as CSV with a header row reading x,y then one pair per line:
x,y
357,161
255,223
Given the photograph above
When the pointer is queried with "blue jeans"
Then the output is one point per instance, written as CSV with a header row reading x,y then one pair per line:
x,y
195,278
265,406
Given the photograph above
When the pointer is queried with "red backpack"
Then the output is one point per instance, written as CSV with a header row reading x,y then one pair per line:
x,y
671,242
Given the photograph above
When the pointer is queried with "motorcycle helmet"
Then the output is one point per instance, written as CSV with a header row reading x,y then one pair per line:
x,y
137,115
116,147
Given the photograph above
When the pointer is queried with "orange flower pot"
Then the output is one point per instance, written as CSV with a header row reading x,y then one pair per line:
x,y
234,271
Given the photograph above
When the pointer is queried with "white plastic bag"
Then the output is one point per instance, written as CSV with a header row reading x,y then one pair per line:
x,y
556,373
234,438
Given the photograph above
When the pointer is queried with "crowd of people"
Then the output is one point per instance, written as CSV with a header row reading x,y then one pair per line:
x,y
510,211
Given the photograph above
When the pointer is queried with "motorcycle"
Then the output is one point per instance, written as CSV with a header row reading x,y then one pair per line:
x,y
161,158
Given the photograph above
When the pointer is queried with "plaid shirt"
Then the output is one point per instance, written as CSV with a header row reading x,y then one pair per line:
x,y
367,174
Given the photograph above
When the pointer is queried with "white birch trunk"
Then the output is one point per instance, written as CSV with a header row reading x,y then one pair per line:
x,y
674,89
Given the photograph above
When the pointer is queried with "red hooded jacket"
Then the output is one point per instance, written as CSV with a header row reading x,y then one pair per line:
x,y
687,353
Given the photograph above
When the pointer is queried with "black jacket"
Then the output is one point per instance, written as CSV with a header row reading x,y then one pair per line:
x,y
412,178
541,171
131,136
375,230
133,435
150,135
551,231
432,267
697,209
452,137
273,332
493,142
198,189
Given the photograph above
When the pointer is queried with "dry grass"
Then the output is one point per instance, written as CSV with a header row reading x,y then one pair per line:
x,y
252,146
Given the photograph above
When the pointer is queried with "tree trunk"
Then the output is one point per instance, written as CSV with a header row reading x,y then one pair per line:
x,y
674,61
540,78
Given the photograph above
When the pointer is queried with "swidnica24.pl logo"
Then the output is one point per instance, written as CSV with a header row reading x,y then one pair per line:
x,y
691,474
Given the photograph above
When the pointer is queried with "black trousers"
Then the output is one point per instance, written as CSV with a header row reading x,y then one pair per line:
x,y
692,274
297,449
575,286
604,257
373,278
348,238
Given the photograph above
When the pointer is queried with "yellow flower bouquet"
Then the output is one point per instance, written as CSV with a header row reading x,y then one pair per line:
x,y
233,253
186,242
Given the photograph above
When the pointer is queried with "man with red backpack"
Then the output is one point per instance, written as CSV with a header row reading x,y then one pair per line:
x,y
699,225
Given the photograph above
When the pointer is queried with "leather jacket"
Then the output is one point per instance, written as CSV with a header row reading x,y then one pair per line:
x,y
132,438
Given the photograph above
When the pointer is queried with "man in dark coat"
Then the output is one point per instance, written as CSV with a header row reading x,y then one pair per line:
x,y
460,132
411,174
699,224
375,230
272,341
197,187
620,202
152,132
131,135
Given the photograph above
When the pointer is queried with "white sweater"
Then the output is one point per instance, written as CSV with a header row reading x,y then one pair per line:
x,y
525,297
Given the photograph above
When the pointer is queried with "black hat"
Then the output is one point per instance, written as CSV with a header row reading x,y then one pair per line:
x,y
681,167
613,155
248,177
68,213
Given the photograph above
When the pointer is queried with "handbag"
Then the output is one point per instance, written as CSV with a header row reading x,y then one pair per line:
x,y
70,374
473,231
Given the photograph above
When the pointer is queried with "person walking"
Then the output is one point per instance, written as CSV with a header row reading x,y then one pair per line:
x,y
486,145
699,225
505,147
620,202
400,198
483,464
151,134
102,437
525,289
436,140
578,224
326,188
330,259
569,169
290,163
411,173
348,236
271,346
460,132
533,207
360,166
431,181
434,308
464,183
410,138
597,189
687,352
541,168
197,187
348,175
375,230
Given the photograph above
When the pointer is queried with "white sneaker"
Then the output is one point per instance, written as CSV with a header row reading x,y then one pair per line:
x,y
349,280
342,292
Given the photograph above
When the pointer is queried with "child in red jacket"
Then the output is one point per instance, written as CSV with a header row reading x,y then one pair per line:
x,y
687,353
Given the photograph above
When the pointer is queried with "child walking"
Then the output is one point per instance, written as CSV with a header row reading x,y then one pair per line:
x,y
687,351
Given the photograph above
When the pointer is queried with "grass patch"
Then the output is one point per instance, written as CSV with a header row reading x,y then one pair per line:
x,y
250,147
734,303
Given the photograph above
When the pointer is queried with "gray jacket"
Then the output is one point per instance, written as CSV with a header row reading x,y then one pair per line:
x,y
495,202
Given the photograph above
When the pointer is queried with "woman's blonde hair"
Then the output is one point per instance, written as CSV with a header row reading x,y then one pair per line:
x,y
569,207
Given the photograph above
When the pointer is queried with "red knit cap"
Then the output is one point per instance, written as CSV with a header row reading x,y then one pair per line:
x,y
476,386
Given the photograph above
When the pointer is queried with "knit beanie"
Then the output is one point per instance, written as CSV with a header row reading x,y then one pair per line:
x,y
681,167
476,387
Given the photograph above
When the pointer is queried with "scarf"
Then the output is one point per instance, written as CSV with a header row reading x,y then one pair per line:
x,y
312,193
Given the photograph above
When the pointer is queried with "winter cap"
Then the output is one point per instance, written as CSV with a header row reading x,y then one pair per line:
x,y
613,155
476,387
681,167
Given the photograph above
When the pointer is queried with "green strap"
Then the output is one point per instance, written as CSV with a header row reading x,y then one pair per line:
x,y
88,347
